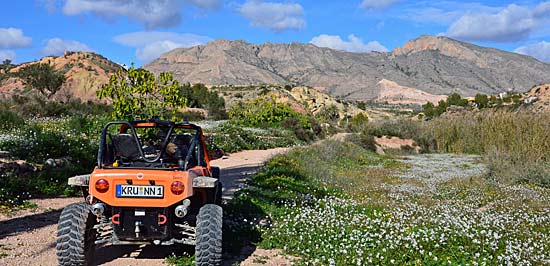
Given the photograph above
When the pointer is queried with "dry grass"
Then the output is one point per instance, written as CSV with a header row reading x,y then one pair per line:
x,y
515,145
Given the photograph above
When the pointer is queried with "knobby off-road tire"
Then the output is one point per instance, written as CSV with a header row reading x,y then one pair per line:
x,y
75,235
208,249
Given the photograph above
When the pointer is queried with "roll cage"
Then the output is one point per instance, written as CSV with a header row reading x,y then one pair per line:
x,y
188,154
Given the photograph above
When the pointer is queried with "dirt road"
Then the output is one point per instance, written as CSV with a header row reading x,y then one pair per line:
x,y
28,238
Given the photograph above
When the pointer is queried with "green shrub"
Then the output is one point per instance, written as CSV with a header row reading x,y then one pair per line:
x,y
402,128
328,114
138,94
457,100
43,78
10,120
232,138
38,106
516,145
265,112
363,140
198,96
358,123
481,100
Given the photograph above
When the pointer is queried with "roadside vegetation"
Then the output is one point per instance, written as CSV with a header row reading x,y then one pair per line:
x,y
46,141
335,203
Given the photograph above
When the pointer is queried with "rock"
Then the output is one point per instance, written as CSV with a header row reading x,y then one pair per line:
x,y
18,167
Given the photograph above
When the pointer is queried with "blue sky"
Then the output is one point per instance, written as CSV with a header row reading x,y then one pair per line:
x,y
127,31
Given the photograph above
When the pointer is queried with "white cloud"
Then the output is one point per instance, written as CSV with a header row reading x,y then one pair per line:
x,y
274,16
153,14
7,54
205,4
57,46
441,12
513,23
150,45
13,38
540,50
353,45
377,4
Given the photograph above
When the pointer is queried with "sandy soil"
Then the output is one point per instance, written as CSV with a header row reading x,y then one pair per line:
x,y
28,237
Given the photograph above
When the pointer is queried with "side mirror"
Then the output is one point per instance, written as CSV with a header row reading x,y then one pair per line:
x,y
215,154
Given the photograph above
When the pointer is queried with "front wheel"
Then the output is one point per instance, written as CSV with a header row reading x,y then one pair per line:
x,y
208,248
75,235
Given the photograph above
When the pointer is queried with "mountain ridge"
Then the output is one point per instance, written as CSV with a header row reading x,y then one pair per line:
x,y
434,64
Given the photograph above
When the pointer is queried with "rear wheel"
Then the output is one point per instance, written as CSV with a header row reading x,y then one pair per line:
x,y
208,249
75,235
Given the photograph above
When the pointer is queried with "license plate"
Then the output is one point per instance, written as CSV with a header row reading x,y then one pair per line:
x,y
132,191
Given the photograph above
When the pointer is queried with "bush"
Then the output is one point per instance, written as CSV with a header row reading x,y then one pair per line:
x,y
328,114
402,128
363,140
515,145
42,77
198,96
10,120
38,106
138,94
302,133
232,138
265,112
358,123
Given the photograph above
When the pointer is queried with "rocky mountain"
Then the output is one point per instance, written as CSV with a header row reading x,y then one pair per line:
x,y
427,67
85,73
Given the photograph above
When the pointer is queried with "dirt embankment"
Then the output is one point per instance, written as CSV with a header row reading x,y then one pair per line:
x,y
28,237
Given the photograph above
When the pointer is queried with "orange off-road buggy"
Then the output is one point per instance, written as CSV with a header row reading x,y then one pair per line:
x,y
153,184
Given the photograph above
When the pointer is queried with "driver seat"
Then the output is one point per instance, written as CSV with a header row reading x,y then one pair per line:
x,y
126,147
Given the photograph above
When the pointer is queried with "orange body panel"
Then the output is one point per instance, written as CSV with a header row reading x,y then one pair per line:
x,y
143,177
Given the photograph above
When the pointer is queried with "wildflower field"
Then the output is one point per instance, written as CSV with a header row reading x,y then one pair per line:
x,y
335,203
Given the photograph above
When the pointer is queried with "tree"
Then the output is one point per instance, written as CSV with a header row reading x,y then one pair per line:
x,y
138,94
429,110
43,78
358,123
6,65
456,99
481,100
198,96
441,108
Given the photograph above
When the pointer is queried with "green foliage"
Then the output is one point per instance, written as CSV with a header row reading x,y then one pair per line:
x,y
516,145
198,96
429,110
328,114
71,140
302,133
362,105
232,138
358,123
138,94
38,106
264,112
441,108
481,100
456,100
43,78
402,128
337,204
36,144
363,140
6,65
10,120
